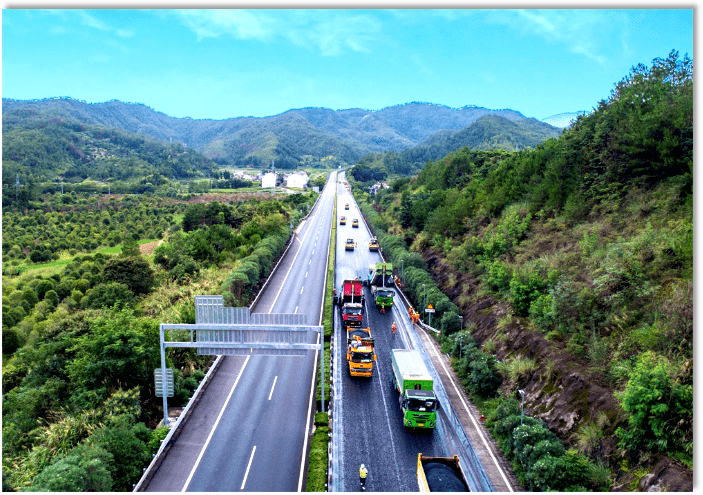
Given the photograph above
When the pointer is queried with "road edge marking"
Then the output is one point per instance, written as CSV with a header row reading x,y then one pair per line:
x,y
478,429
219,417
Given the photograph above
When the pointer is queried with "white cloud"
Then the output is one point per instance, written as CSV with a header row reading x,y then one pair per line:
x,y
330,31
239,24
581,31
90,21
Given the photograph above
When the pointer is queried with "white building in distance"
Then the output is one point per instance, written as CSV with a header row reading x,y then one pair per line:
x,y
298,180
268,180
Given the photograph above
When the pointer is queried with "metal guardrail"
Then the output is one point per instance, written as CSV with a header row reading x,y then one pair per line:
x,y
175,431
210,309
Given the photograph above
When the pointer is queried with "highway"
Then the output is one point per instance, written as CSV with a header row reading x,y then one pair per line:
x,y
372,429
249,431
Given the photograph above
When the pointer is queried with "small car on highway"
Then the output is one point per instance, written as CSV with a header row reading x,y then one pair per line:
x,y
346,206
343,221
349,245
355,223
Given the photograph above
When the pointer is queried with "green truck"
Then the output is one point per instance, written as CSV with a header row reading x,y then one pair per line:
x,y
413,381
381,283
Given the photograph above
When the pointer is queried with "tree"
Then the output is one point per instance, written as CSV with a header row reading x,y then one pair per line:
x,y
130,248
127,443
121,351
42,288
84,469
107,295
134,272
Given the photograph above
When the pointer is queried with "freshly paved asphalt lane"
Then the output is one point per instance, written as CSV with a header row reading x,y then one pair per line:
x,y
373,432
261,405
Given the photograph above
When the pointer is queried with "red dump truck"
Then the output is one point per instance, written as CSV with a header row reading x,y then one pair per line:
x,y
351,300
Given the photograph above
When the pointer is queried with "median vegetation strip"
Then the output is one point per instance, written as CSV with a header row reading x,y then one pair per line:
x,y
318,459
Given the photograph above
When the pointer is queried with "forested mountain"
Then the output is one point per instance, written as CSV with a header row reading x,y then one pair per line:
x,y
38,148
490,132
572,267
302,137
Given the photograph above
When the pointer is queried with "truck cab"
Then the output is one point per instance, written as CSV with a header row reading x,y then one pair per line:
x,y
343,220
346,206
352,314
355,223
412,380
383,296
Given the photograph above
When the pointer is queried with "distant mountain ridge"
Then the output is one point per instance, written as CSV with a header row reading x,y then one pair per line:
x,y
293,138
562,120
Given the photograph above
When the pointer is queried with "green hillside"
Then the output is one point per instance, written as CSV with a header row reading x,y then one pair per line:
x,y
305,137
572,266
490,132
38,146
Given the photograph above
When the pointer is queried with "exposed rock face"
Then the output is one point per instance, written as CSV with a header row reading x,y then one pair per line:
x,y
562,390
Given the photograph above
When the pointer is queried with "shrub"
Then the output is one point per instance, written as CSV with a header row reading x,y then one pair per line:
x,y
498,275
483,378
84,469
184,269
525,288
660,409
530,442
127,443
107,295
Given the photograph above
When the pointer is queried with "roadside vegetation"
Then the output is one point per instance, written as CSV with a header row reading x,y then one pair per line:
x,y
81,337
573,259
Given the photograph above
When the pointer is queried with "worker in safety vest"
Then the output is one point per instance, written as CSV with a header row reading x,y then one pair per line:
x,y
393,328
363,472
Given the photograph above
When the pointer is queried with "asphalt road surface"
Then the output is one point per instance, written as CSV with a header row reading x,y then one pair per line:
x,y
249,431
372,429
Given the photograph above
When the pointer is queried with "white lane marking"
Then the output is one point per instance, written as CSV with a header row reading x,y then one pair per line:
x,y
306,274
301,289
309,262
244,481
296,310
388,416
473,420
288,273
273,386
219,417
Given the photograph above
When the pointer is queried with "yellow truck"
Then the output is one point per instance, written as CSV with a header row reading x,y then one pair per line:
x,y
343,221
373,244
360,351
440,474
355,223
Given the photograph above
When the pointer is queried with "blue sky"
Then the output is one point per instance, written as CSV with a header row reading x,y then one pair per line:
x,y
232,63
